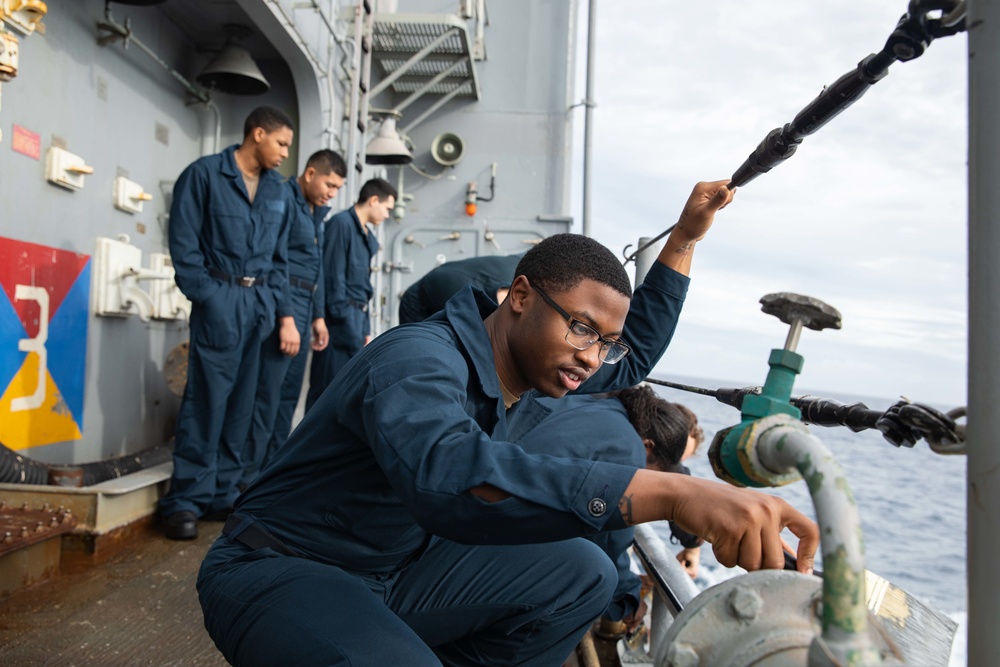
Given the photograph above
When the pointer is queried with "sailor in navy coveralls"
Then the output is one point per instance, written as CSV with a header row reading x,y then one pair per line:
x,y
284,353
491,273
228,235
398,525
347,259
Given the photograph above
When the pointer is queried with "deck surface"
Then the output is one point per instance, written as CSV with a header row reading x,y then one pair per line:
x,y
139,607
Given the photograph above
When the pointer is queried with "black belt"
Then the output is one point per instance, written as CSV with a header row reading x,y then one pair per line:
x,y
242,281
363,307
251,535
304,284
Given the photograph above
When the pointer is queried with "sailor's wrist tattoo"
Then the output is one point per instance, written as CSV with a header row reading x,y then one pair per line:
x,y
625,507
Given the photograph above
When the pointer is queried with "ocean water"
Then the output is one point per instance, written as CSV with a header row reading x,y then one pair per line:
x,y
911,501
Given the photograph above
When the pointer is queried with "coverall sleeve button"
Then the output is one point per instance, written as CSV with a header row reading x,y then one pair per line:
x,y
597,507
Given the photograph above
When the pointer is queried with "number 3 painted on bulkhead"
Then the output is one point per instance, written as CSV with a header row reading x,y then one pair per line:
x,y
36,345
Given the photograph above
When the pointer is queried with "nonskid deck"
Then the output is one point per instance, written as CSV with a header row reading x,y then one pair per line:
x,y
138,608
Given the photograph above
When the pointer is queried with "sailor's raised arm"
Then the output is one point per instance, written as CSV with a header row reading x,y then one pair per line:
x,y
657,302
706,199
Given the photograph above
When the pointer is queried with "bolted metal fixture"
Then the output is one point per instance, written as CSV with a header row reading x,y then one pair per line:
x,y
682,655
727,625
387,147
744,603
234,71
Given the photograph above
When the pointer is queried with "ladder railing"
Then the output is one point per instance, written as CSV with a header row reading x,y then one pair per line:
x,y
357,102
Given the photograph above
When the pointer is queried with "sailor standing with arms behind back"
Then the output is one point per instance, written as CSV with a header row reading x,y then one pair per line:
x,y
228,236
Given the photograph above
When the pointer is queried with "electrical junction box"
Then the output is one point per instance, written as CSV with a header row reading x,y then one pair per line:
x,y
112,261
169,303
25,16
129,195
65,169
8,56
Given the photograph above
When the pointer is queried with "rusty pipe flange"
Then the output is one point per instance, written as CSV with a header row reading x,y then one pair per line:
x,y
749,456
768,618
716,459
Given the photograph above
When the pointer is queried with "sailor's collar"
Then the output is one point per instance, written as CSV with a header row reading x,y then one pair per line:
x,y
319,212
231,169
467,312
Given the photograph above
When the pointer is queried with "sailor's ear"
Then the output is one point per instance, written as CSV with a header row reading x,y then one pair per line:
x,y
652,460
518,294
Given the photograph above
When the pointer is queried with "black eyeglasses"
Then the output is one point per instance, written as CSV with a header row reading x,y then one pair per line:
x,y
581,336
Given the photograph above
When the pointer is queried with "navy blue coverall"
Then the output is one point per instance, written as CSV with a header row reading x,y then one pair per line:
x,y
429,294
280,379
597,428
229,258
347,258
382,555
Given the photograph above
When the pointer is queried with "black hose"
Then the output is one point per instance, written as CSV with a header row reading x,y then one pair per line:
x,y
18,469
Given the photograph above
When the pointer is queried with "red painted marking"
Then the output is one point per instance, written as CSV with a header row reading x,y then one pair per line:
x,y
27,142
30,264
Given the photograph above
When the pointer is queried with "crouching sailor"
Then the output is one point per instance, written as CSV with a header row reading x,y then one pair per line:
x,y
398,525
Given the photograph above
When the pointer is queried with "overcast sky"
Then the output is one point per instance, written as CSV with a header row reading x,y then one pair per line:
x,y
869,215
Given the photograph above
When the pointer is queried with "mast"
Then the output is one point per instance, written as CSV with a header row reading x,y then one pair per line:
x,y
588,109
983,441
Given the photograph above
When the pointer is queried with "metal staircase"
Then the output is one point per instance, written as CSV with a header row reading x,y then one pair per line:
x,y
414,55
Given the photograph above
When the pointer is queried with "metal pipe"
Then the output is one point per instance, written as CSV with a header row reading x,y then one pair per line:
x,y
644,260
480,27
125,33
289,26
588,104
414,59
673,588
211,135
794,333
778,445
984,335
670,577
329,26
356,104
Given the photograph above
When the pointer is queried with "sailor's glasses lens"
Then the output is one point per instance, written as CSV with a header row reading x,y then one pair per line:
x,y
581,336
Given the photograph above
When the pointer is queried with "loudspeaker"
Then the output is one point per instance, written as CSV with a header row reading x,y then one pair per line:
x,y
447,149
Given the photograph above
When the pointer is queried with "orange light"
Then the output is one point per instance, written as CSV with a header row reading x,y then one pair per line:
x,y
470,209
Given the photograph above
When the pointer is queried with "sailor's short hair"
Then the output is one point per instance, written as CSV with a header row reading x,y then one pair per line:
x,y
560,262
